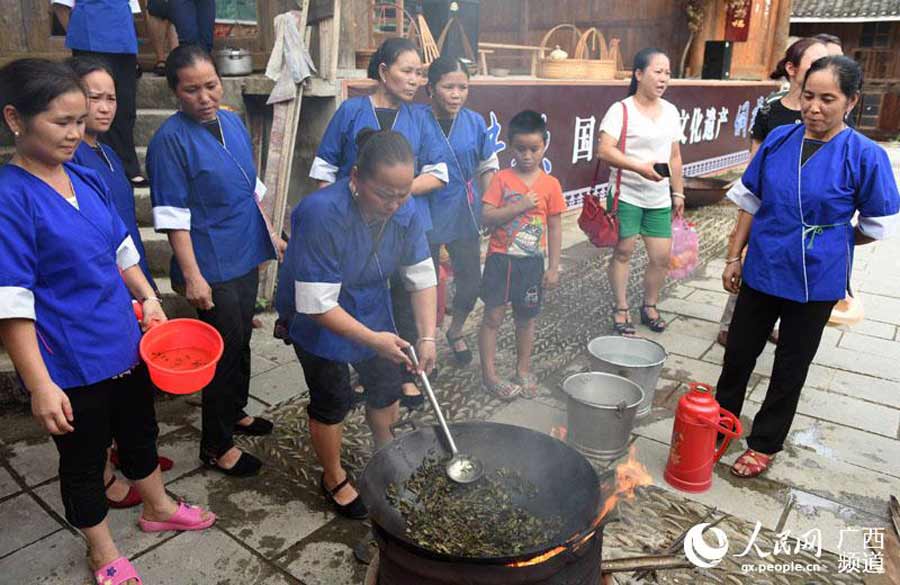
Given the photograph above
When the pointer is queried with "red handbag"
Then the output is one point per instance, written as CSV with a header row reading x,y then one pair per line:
x,y
601,226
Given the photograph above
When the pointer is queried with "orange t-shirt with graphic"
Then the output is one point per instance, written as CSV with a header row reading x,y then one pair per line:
x,y
525,234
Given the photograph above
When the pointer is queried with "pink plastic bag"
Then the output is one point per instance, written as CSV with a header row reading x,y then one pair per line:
x,y
685,249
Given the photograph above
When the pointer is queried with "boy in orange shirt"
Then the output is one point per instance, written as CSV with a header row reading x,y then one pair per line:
x,y
522,207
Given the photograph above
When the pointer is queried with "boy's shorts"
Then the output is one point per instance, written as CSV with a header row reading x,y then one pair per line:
x,y
650,223
516,280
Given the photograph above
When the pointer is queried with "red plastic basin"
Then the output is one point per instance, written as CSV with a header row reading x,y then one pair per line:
x,y
181,355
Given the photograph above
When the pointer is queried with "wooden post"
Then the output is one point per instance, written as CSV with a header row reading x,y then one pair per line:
x,y
782,31
285,121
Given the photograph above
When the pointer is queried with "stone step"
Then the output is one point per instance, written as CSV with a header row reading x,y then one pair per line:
x,y
143,207
159,253
148,122
154,92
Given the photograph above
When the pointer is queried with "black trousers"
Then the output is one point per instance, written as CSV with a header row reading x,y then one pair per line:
x,y
330,393
226,396
120,136
194,21
117,408
465,257
800,333
404,318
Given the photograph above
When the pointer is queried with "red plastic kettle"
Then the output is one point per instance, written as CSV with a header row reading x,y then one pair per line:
x,y
698,421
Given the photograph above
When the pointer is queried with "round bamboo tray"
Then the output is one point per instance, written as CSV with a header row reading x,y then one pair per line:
x,y
561,68
600,60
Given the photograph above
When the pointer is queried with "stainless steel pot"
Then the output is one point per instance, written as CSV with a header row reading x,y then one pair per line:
x,y
637,359
233,62
601,411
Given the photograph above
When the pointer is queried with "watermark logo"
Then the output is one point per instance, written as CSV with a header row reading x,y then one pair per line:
x,y
704,555
699,552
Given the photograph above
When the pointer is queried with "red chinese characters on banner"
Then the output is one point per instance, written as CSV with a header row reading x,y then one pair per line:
x,y
737,20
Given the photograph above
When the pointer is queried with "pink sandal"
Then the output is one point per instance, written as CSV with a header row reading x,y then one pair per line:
x,y
118,571
186,518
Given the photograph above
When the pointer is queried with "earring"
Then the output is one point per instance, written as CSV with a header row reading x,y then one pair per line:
x,y
16,133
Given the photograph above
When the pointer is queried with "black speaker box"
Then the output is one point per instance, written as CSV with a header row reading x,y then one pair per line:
x,y
437,13
717,60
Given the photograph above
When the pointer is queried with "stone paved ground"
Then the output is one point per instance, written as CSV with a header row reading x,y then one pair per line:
x,y
842,460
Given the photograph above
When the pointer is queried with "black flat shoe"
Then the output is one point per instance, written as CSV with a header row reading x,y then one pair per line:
x,y
247,465
355,510
258,428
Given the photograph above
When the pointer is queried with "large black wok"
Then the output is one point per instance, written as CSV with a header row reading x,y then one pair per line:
x,y
566,483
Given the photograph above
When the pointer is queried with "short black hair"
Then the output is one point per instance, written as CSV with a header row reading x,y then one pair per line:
x,y
29,85
388,53
85,65
184,56
527,122
380,147
847,71
829,39
444,65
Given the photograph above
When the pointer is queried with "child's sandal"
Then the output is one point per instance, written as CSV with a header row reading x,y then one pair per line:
x,y
503,389
528,384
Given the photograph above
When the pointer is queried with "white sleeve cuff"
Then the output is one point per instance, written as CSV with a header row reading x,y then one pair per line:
x,y
260,190
879,228
439,170
16,303
135,7
419,276
171,218
322,170
69,3
315,298
744,198
489,164
127,254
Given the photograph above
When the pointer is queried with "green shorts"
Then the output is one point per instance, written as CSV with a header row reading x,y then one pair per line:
x,y
650,223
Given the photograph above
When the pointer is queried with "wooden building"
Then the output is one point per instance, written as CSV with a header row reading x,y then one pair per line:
x,y
870,32
28,28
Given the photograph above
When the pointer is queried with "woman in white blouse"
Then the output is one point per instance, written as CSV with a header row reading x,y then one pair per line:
x,y
650,128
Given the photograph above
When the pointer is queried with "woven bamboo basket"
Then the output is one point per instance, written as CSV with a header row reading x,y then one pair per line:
x,y
570,68
600,60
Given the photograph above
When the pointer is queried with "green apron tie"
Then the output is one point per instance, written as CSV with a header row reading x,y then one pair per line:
x,y
816,230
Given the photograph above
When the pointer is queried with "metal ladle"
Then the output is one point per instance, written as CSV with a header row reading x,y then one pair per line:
x,y
461,468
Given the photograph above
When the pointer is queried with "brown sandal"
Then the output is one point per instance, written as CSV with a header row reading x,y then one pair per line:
x,y
754,462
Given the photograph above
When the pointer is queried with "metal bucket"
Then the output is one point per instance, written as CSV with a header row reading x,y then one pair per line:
x,y
601,412
639,360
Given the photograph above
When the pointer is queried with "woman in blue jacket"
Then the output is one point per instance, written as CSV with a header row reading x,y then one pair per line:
x,y
456,208
68,272
396,66
798,198
346,239
206,196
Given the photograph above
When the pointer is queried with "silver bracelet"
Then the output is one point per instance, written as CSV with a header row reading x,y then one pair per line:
x,y
431,339
732,260
679,195
145,299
